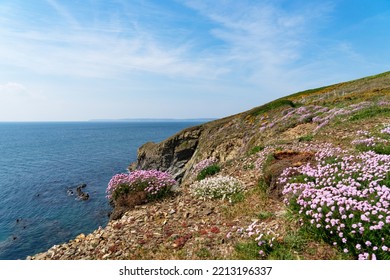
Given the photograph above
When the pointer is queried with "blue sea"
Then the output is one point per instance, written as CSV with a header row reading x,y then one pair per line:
x,y
41,162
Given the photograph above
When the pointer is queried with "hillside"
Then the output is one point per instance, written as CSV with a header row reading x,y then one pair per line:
x,y
314,179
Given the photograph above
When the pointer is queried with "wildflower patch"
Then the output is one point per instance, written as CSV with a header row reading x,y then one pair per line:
x,y
219,187
345,199
151,183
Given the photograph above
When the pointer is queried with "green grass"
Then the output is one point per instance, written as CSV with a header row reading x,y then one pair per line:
x,y
293,245
255,150
248,250
308,92
264,215
306,138
203,253
380,148
208,171
370,113
271,106
250,166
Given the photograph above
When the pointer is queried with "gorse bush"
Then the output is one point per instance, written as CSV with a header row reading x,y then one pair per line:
x,y
219,187
346,201
153,183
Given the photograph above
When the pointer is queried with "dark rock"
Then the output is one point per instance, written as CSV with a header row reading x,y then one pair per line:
x,y
125,203
170,155
82,195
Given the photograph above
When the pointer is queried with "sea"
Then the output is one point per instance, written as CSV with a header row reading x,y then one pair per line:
x,y
41,165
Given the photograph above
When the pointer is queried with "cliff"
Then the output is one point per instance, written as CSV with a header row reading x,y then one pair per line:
x,y
319,142
236,136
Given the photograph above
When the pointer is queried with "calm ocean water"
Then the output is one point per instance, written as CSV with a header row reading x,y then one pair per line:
x,y
40,162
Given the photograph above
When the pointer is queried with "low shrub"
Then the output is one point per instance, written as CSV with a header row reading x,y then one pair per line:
x,y
219,187
203,164
208,171
152,183
205,168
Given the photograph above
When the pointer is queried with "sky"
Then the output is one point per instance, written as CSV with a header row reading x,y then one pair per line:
x,y
76,60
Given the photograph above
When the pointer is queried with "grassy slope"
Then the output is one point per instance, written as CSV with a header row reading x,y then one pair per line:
x,y
253,146
297,242
238,142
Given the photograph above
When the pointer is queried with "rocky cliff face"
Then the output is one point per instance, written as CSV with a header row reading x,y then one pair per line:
x,y
171,155
223,139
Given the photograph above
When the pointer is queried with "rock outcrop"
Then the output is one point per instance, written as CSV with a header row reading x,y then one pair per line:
x,y
171,155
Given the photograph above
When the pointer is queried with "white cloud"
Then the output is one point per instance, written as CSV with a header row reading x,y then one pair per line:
x,y
12,89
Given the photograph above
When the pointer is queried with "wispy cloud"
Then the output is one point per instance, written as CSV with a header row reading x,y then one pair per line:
x,y
257,42
86,51
237,53
263,43
64,13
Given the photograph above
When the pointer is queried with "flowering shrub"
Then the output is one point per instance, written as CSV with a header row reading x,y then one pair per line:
x,y
153,182
203,165
219,187
205,168
346,199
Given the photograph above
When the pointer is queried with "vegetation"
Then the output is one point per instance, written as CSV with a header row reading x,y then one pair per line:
x,y
208,171
220,187
152,184
271,106
303,177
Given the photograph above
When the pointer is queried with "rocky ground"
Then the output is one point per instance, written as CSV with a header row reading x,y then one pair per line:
x,y
185,227
177,227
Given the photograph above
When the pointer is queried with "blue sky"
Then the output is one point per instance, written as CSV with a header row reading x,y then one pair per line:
x,y
104,59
